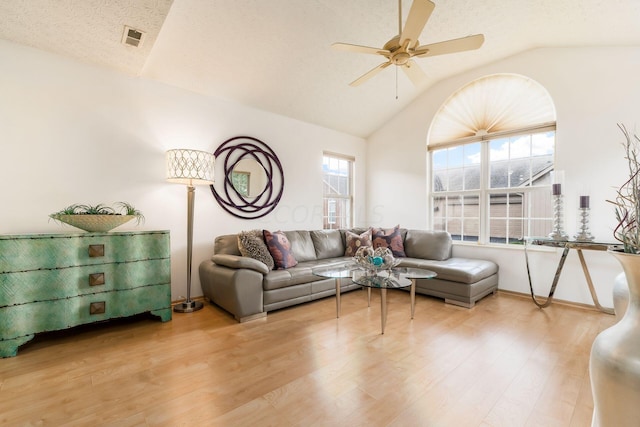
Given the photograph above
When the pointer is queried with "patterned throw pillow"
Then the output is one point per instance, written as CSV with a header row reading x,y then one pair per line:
x,y
391,239
355,241
280,249
251,244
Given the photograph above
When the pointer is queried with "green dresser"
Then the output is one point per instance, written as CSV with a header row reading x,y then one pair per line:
x,y
50,282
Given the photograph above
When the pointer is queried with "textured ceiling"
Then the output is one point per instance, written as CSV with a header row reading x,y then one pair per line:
x,y
275,55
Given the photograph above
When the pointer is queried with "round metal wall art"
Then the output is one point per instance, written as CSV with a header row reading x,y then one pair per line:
x,y
235,198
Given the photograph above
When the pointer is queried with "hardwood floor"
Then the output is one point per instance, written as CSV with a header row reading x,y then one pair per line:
x,y
503,363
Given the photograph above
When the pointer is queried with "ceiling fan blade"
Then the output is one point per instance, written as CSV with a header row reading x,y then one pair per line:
x,y
450,46
414,72
418,15
359,49
366,76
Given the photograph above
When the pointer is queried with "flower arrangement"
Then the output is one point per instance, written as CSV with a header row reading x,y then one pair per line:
x,y
375,259
627,201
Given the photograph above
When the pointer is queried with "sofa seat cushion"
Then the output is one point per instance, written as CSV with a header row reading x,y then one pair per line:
x,y
301,273
462,270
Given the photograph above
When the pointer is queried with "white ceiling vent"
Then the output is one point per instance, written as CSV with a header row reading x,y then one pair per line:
x,y
132,37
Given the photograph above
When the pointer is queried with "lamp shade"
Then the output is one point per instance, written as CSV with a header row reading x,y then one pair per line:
x,y
191,167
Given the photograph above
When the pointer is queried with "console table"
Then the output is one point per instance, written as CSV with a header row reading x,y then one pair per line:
x,y
50,282
566,246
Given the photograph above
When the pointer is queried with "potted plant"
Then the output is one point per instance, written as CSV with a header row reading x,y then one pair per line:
x,y
98,218
614,363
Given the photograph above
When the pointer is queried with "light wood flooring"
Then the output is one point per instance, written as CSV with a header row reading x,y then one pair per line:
x,y
503,363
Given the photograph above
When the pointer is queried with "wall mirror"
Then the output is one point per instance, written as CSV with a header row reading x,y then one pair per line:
x,y
249,180
249,177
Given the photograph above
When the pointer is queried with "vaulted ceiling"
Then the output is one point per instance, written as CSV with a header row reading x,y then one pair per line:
x,y
275,55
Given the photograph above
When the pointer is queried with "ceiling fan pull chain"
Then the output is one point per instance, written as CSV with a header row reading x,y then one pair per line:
x,y
396,82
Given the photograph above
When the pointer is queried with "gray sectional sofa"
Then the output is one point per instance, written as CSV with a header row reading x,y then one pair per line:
x,y
248,289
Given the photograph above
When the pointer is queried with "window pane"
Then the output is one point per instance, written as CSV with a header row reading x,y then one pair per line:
x,y
520,147
515,230
439,159
472,154
455,157
471,206
499,150
455,179
540,227
440,181
471,230
498,211
519,173
499,174
472,178
543,144
439,211
454,227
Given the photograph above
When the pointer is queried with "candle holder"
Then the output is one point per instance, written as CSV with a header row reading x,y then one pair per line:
x,y
584,235
557,232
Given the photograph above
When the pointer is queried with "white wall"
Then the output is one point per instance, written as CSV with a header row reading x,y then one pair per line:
x,y
75,133
593,89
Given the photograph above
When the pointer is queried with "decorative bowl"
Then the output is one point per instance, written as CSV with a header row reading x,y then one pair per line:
x,y
95,223
375,259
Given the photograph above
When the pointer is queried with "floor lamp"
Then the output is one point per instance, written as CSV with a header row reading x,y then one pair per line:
x,y
190,167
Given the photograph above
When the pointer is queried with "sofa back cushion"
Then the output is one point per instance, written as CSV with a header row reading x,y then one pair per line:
x,y
327,243
428,244
301,245
227,244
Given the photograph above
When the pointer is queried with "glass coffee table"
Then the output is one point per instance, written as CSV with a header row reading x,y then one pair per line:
x,y
396,278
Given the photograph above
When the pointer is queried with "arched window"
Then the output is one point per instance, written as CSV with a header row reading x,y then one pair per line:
x,y
491,149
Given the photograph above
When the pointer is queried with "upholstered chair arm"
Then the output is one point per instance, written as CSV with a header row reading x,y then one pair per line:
x,y
235,261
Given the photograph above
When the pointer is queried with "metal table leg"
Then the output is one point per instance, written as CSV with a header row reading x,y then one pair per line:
x,y
413,297
383,307
587,276
338,297
565,252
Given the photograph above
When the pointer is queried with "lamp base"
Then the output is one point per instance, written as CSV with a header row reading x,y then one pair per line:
x,y
188,307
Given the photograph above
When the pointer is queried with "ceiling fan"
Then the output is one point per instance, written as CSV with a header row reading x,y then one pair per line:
x,y
402,48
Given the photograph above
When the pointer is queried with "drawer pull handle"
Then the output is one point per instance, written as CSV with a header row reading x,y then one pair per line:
x,y
97,307
96,251
96,279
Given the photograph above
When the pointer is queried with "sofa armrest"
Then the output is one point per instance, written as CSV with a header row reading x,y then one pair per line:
x,y
237,290
235,261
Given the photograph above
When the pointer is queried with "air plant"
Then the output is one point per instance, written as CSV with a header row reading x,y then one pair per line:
x,y
101,209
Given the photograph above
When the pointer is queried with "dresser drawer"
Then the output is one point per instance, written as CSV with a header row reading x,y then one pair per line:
x,y
48,251
41,285
22,320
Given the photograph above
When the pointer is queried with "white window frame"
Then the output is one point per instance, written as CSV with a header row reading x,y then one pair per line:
x,y
484,192
329,217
